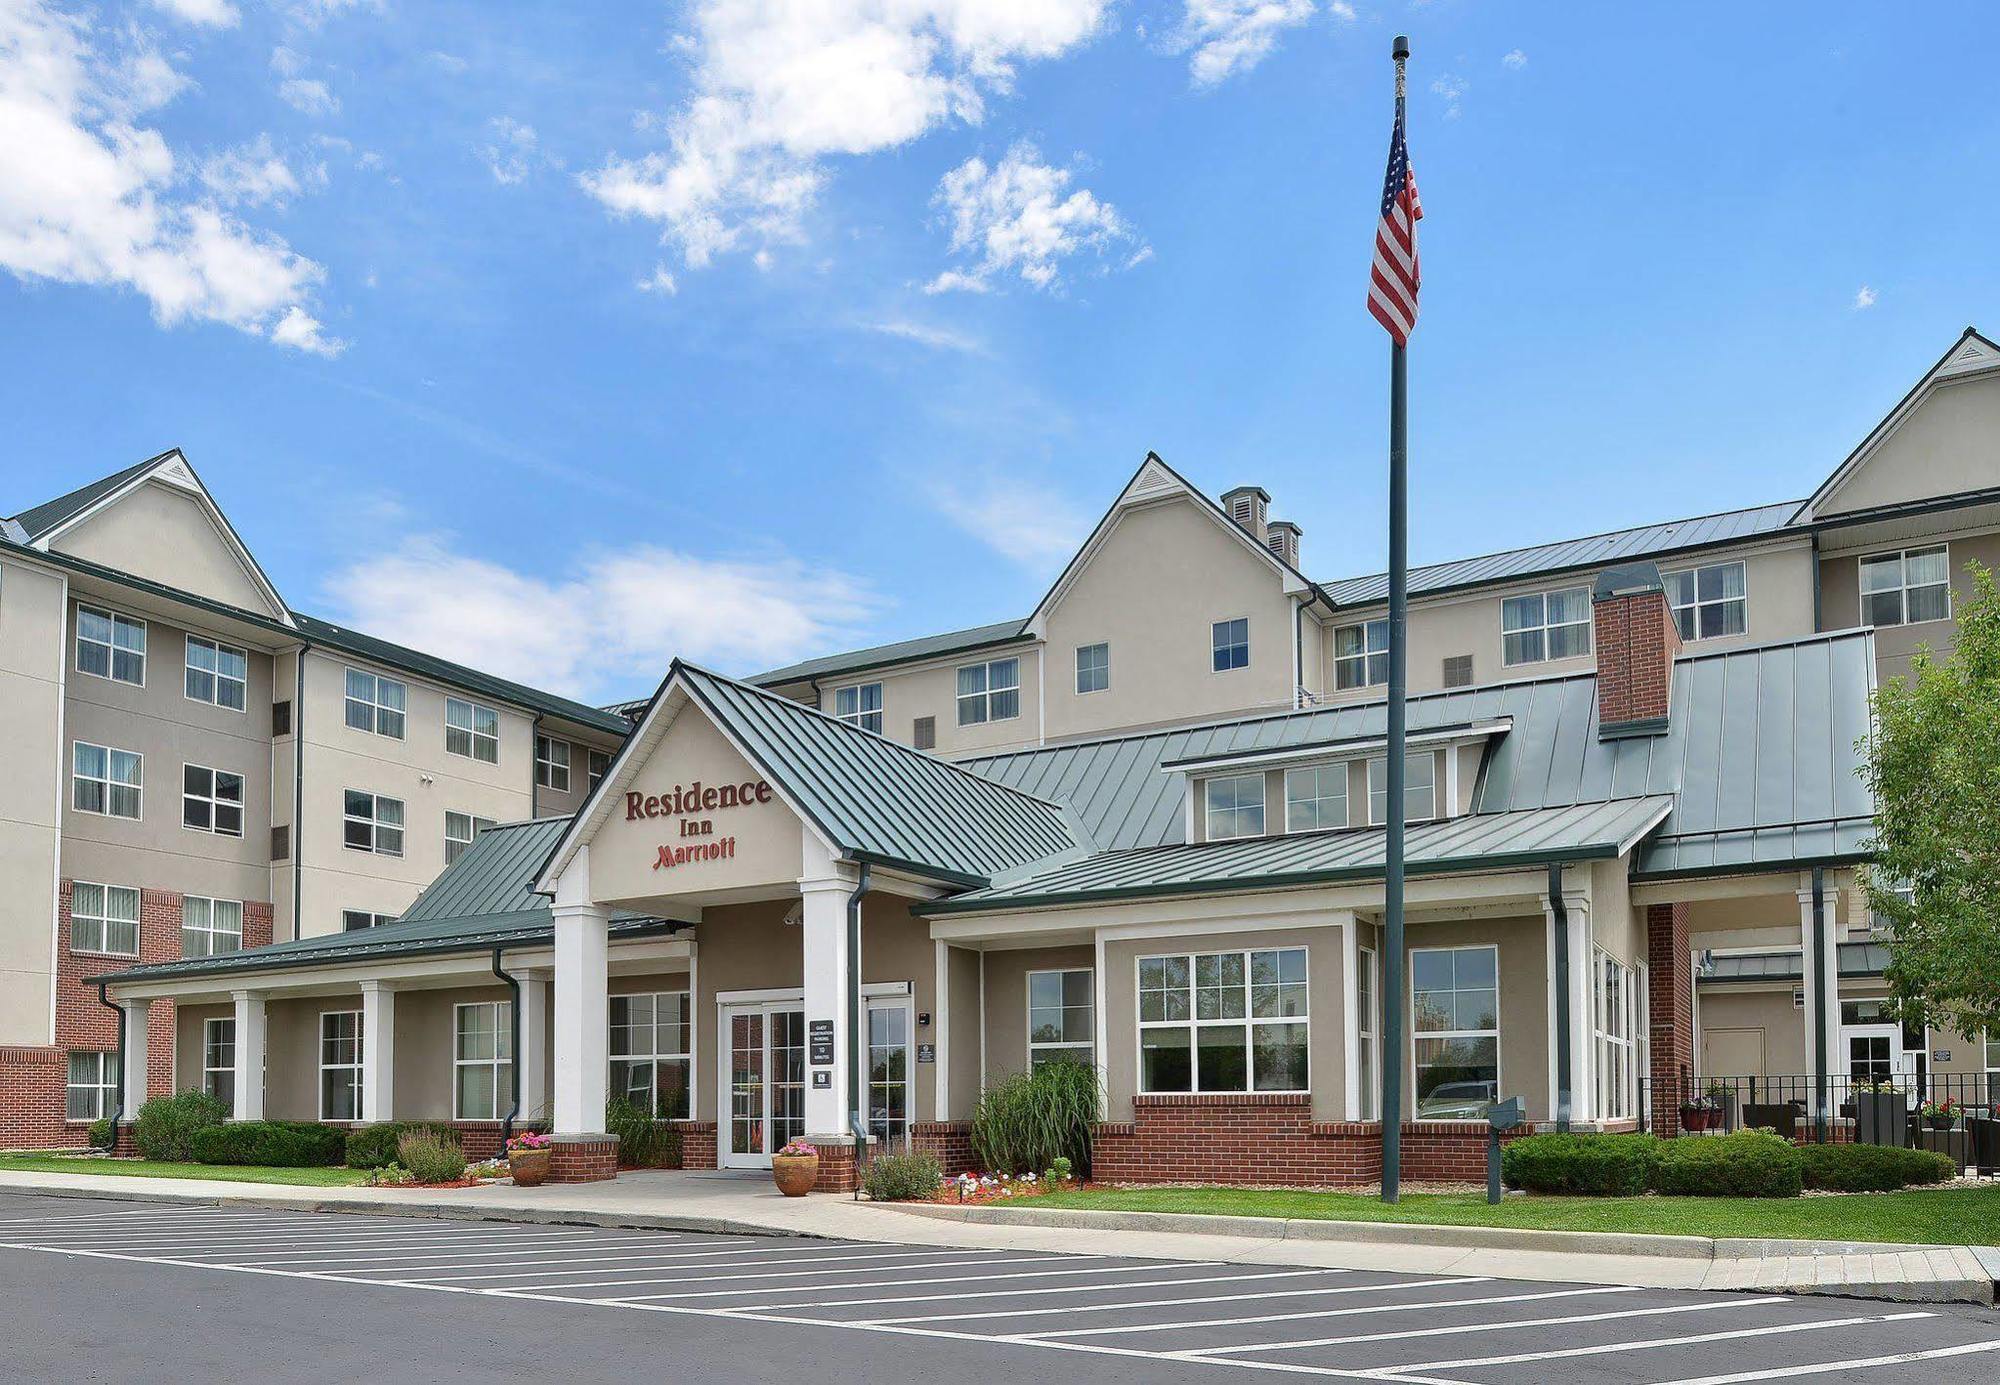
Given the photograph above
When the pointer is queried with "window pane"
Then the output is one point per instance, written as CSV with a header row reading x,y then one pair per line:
x,y
1223,1058
1521,612
1279,1057
1522,648
1924,566
1929,603
972,680
1883,608
1164,1061
1457,1079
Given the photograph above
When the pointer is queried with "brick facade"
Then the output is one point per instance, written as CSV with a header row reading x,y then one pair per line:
x,y
949,1141
1670,1007
583,1158
697,1144
1636,641
837,1170
32,1081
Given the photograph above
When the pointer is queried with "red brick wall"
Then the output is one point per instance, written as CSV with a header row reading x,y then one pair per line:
x,y
1670,1008
31,1100
949,1141
574,1160
697,1144
1636,640
837,1171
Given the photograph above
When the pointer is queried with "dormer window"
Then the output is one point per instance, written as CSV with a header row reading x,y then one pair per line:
x,y
1235,806
1419,788
1316,798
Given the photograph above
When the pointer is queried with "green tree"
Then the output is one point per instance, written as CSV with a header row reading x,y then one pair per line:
x,y
1934,766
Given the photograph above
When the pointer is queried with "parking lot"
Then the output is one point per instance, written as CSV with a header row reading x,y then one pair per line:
x,y
953,1311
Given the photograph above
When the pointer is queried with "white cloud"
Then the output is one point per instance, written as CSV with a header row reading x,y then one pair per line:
x,y
1515,59
208,14
613,621
514,152
1034,526
927,334
249,174
1229,37
309,96
782,87
287,62
1451,89
1864,298
88,196
1013,217
661,280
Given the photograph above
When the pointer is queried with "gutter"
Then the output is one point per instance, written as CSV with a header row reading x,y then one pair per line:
x,y
513,1068
118,1106
856,1035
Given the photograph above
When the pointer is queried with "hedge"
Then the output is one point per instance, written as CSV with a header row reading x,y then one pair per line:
x,y
431,1154
1872,1168
167,1125
900,1177
1581,1165
271,1144
1749,1163
374,1146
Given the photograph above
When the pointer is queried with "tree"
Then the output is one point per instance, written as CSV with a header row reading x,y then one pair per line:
x,y
1934,766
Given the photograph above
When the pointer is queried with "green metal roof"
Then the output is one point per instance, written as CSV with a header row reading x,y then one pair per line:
x,y
903,651
1856,959
495,875
1488,842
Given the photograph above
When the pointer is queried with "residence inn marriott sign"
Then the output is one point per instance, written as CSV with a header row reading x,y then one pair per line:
x,y
682,803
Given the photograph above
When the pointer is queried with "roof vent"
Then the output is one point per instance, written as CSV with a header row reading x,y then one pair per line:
x,y
1282,536
1247,505
1458,671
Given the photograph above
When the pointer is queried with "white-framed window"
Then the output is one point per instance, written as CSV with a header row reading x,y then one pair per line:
x,y
212,800
210,927
353,920
1545,625
860,706
1365,987
376,704
218,1059
1455,1030
649,1051
597,765
460,830
1906,587
340,1041
1315,798
1234,805
104,918
1991,1048
989,692
1361,654
105,781
1229,644
1223,1022
471,730
1419,788
482,1086
1093,668
1709,602
92,1090
373,823
552,764
217,673
1061,1016
1614,1005
109,645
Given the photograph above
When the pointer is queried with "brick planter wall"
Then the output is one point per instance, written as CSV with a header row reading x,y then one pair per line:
x,y
583,1158
697,1144
837,1171
949,1141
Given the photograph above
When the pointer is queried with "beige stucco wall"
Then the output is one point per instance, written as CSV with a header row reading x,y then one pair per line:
x,y
1525,1021
965,1014
555,803
1736,1021
930,689
161,532
189,1033
1007,1001
1948,444
1840,598
32,665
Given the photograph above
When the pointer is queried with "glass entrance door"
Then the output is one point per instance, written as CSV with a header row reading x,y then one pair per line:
x,y
764,1082
889,1073
1874,1053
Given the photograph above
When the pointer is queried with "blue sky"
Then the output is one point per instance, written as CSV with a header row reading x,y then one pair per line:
x,y
561,339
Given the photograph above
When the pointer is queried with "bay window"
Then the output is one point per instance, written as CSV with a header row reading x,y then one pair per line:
x,y
1223,1022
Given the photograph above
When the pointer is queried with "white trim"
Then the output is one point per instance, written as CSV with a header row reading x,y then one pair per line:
x,y
986,693
1499,1079
502,1090
104,920
1335,658
1697,603
210,930
1340,768
321,1067
214,785
65,767
1350,1004
1208,806
656,1055
1028,1012
1294,756
1076,669
771,994
188,639
107,781
1213,646
374,703
110,675
472,731
1545,628
1193,1025
208,1027
1902,589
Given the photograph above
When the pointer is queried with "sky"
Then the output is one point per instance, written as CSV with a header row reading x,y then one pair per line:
x,y
565,339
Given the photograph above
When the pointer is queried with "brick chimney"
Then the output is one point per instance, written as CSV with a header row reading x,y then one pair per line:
x,y
1636,641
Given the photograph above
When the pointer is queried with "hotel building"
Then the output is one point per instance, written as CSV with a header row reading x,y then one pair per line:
x,y
1140,826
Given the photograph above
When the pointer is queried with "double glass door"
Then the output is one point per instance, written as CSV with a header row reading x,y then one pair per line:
x,y
764,1082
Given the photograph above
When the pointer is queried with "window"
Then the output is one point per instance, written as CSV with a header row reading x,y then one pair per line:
x,y
216,672
340,1065
1223,1022
471,730
92,1093
218,1059
105,781
376,704
649,1051
1093,667
989,692
1613,1002
1361,655
1992,1047
1708,601
598,765
212,800
104,918
110,646
552,764
1456,1030
1364,999
1551,625
1419,788
1235,805
351,920
1904,588
1229,644
482,1061
1061,1016
210,926
861,706
374,823
459,831
1315,798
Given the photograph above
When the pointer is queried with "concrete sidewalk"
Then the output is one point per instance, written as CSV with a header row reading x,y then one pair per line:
x,y
747,1203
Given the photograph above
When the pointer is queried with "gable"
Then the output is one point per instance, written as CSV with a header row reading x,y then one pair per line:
x,y
1942,439
164,532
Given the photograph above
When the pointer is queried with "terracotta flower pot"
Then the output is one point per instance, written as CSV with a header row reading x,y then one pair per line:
x,y
795,1174
530,1167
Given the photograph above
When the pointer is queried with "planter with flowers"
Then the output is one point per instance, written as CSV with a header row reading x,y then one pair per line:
x,y
528,1159
1941,1113
795,1168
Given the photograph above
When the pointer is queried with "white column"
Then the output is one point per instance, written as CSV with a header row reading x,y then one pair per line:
x,y
378,1051
137,1012
1350,1005
941,1031
250,1055
1582,1012
1820,961
824,938
581,1019
531,1046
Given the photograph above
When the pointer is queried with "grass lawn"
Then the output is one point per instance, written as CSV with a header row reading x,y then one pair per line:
x,y
1946,1216
148,1168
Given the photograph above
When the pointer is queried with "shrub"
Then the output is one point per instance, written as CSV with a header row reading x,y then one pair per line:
x,y
271,1144
1872,1168
643,1143
167,1124
1749,1163
431,1156
1581,1165
900,1177
1033,1118
1059,1170
374,1146
102,1133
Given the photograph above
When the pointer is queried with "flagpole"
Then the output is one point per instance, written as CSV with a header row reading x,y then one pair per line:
x,y
1392,882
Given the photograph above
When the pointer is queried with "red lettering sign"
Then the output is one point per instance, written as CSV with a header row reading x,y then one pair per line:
x,y
696,798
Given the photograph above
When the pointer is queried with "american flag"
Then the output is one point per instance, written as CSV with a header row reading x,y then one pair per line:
x,y
1393,278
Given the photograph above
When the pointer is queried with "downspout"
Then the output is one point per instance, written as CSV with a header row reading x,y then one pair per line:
x,y
513,1068
1560,917
118,1107
1819,622
299,789
857,1127
1298,654
535,766
1820,985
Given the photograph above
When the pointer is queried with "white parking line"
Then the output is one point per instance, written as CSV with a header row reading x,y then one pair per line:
x,y
503,1253
1274,1317
1820,1368
460,1261
1563,1353
1067,1289
137,1214
699,1278
421,1250
280,1240
635,1262
1361,1311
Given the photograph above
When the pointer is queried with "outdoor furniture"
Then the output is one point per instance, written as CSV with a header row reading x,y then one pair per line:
x,y
1884,1119
1782,1117
1983,1132
1954,1144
